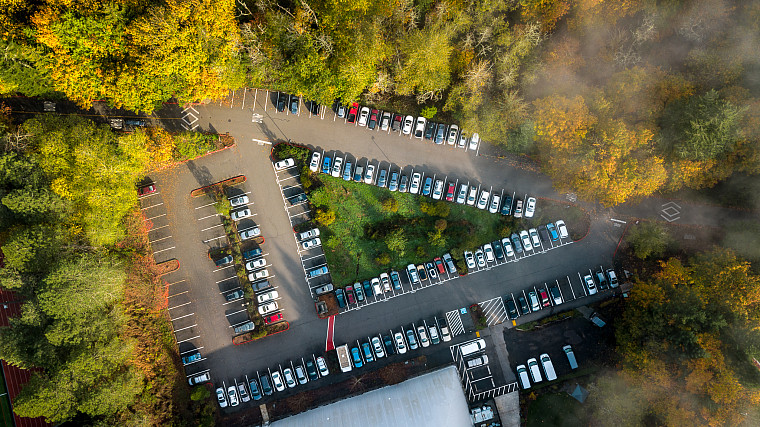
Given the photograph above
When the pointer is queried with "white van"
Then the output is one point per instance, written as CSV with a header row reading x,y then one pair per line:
x,y
522,375
534,371
546,362
472,347
477,361
570,356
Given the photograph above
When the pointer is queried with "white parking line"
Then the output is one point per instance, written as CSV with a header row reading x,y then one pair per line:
x,y
163,238
231,277
162,250
215,238
178,281
152,206
178,330
192,351
171,296
182,317
223,268
213,226
210,216
189,339
158,228
235,312
178,306
154,217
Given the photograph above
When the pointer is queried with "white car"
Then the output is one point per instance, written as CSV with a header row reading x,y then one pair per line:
x,y
232,394
562,229
284,164
412,271
249,233
472,196
240,214
438,189
400,343
261,274
221,397
369,175
337,167
488,250
376,286
423,336
267,296
474,141
470,258
419,127
462,195
314,163
257,263
462,141
525,238
534,237
363,115
322,367
494,203
445,334
238,201
483,201
414,187
313,243
314,232
243,392
481,259
379,351
386,281
590,285
408,123
453,134
530,207
507,245
277,381
268,308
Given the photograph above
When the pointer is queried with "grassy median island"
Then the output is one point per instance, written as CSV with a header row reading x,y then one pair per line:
x,y
367,230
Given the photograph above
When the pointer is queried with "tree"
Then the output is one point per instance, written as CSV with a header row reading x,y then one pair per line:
x,y
397,242
700,127
425,70
648,239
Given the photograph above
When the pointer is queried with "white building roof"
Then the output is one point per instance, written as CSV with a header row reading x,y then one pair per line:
x,y
434,399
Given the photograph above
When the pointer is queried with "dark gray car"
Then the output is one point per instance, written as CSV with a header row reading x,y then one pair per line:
x,y
440,135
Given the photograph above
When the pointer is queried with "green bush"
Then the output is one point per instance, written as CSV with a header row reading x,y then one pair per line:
x,y
284,151
190,145
199,393
648,239
429,112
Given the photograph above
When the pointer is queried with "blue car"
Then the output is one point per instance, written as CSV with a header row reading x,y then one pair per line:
x,y
381,178
341,297
367,352
367,288
428,185
347,172
552,231
393,185
517,243
252,253
395,280
326,165
357,357
506,208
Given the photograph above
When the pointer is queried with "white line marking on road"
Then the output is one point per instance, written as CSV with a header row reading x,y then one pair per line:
x,y
213,226
152,206
154,217
261,141
178,330
231,277
220,269
209,204
181,305
178,281
182,317
189,339
618,220
178,294
158,228
210,216
163,238
163,250
215,238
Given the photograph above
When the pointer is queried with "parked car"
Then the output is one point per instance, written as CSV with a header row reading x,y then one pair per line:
x,y
404,184
232,396
221,262
507,245
506,206
427,187
377,346
472,196
385,121
400,344
524,308
376,286
497,249
518,208
385,280
255,264
277,381
602,280
258,275
318,271
429,130
530,207
613,278
533,299
419,127
322,366
337,167
535,372
145,190
544,296
309,234
237,201
381,178
495,199
548,366
562,229
347,171
512,309
462,195
326,165
252,253
445,334
341,110
450,192
553,234
367,288
236,295
340,296
359,292
268,308
474,141
240,214
256,391
359,173
449,263
274,318
311,243
411,339
372,123
469,259
412,271
422,333
250,233
438,189
439,265
568,349
200,379
453,134
282,100
393,183
480,258
525,238
434,337
414,187
590,285
294,104
395,280
301,375
284,164
323,289
369,174
363,116
483,200
243,392
352,112
408,123
396,124
298,199
350,294
267,296
516,243
287,374
534,238
260,286
311,370
390,348
556,294
440,134
221,397
462,141
367,352
432,271
191,358
356,357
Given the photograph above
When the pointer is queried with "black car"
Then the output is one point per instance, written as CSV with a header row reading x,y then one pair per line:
x,y
314,108
367,288
390,349
497,249
341,297
293,105
282,101
298,199
429,130
512,309
440,135
506,208
516,243
544,233
311,370
524,308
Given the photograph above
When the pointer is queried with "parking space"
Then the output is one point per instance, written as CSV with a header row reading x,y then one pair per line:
x,y
156,221
479,370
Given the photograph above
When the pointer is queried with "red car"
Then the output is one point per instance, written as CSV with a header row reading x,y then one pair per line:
x,y
450,192
352,112
396,125
146,190
372,119
544,298
274,318
350,294
439,265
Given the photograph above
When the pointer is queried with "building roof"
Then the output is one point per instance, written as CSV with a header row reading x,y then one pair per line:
x,y
434,399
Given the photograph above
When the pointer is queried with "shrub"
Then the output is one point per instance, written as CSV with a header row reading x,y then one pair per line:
x,y
190,145
383,259
285,150
396,242
421,252
648,239
199,393
429,112
390,205
325,216
440,208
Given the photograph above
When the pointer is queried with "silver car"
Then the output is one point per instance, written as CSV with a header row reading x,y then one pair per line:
x,y
249,233
438,189
240,214
462,194
238,201
453,135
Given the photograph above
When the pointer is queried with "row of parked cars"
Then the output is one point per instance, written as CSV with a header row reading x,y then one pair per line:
x,y
266,385
419,127
395,180
547,365
525,241
387,282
